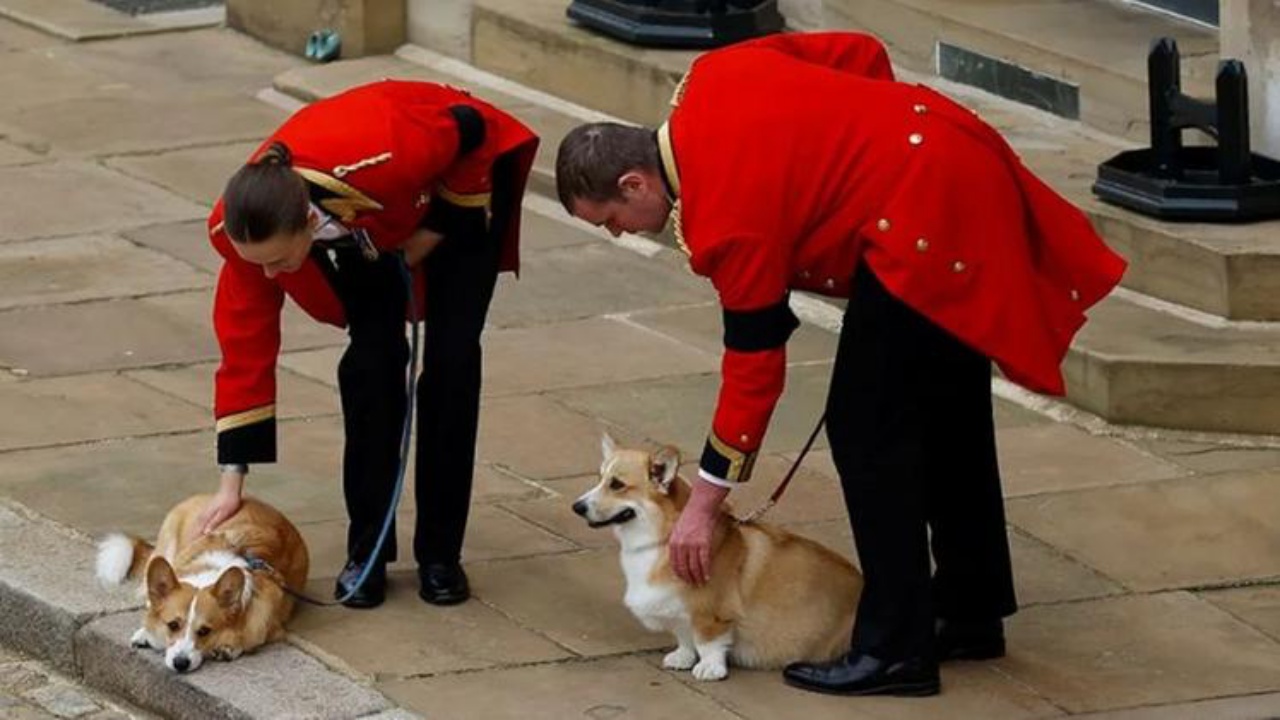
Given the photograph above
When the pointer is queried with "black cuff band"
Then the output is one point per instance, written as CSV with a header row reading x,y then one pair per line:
x,y
470,127
253,443
763,329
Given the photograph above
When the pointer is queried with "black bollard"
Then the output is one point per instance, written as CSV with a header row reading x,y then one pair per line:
x,y
1222,183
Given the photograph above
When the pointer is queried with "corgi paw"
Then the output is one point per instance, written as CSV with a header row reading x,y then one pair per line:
x,y
710,670
226,653
140,639
680,659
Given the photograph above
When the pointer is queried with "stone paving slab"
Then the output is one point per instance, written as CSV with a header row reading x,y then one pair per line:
x,y
427,639
969,691
702,326
84,408
598,689
1180,533
1257,606
298,397
47,588
1044,574
199,174
20,37
63,270
11,154
277,681
1137,650
574,599
566,355
677,409
538,438
134,482
217,60
1055,457
33,690
585,281
134,121
80,20
1207,457
1249,707
129,334
93,199
187,241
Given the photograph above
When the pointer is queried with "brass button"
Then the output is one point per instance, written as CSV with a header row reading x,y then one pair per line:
x,y
1075,295
829,283
958,266
920,108
744,438
915,138
883,225
922,244
804,274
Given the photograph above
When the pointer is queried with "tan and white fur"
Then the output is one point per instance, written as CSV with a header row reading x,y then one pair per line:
x,y
203,600
773,597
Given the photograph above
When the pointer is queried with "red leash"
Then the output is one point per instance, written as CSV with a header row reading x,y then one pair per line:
x,y
782,486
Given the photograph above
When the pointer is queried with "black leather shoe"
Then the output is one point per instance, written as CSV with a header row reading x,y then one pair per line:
x,y
858,674
371,594
970,640
443,584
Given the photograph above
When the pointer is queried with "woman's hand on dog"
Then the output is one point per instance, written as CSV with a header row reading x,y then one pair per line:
x,y
224,504
690,541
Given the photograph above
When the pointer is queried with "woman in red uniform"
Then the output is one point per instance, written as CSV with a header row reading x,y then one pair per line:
x,y
323,213
797,162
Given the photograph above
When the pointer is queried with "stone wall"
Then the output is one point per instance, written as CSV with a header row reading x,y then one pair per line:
x,y
441,25
367,27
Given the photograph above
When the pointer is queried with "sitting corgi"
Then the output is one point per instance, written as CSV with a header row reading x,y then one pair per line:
x,y
204,599
773,598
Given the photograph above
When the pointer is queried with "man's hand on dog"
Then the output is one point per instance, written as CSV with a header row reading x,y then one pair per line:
x,y
690,541
224,504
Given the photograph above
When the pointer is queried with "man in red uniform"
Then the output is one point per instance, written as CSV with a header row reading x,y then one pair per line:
x,y
320,214
797,162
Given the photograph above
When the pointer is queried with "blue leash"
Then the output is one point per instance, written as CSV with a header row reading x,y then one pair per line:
x,y
411,384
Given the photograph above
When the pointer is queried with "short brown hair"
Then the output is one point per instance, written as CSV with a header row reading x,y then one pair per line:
x,y
265,198
593,156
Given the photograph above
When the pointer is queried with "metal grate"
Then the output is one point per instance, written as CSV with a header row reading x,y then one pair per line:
x,y
143,7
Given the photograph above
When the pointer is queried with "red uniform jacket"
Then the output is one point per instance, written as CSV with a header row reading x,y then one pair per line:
x,y
381,154
795,157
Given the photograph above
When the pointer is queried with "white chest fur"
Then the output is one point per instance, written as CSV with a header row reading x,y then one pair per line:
x,y
657,605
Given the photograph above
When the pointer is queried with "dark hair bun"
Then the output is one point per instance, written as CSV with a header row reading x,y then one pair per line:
x,y
277,154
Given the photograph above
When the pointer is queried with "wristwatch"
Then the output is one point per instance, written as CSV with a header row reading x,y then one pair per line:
x,y
234,467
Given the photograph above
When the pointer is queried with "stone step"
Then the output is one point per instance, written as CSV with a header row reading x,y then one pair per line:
x,y
1136,362
1096,48
1142,364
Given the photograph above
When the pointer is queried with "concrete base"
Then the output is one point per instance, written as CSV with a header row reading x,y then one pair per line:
x,y
367,27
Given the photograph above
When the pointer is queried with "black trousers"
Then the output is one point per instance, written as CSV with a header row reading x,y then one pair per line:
x,y
909,417
460,273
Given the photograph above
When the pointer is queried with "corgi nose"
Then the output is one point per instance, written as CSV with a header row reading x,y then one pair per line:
x,y
580,507
181,663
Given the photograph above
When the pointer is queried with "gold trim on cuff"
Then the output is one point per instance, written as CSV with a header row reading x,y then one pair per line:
x,y
466,200
740,463
248,417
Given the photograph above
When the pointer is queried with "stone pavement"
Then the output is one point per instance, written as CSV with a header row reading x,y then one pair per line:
x,y
32,690
1148,563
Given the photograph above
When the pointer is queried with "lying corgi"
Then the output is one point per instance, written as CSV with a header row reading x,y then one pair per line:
x,y
204,601
773,598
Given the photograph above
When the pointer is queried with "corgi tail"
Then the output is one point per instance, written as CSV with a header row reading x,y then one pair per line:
x,y
121,557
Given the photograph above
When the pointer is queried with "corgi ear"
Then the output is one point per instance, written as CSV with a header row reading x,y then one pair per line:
x,y
608,446
161,581
663,466
229,588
